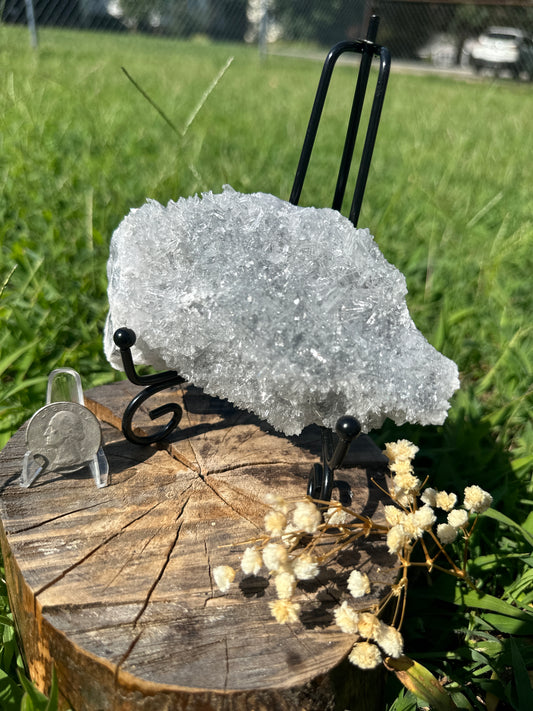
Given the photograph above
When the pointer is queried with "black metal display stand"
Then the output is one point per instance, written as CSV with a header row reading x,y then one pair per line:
x,y
321,478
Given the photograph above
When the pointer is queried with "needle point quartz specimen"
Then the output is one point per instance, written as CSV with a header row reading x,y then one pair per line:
x,y
290,312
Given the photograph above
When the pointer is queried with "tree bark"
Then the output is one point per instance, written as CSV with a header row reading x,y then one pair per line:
x,y
115,586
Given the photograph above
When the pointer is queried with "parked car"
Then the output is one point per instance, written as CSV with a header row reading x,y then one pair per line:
x,y
444,50
503,49
440,50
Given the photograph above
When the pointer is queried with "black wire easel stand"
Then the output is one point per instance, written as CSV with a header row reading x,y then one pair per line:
x,y
321,477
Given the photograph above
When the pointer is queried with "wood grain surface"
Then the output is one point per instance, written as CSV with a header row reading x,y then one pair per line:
x,y
115,585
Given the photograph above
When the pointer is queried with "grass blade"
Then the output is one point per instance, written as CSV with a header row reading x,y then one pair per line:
x,y
522,683
152,102
502,518
422,683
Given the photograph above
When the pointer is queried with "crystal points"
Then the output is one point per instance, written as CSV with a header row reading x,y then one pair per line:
x,y
290,312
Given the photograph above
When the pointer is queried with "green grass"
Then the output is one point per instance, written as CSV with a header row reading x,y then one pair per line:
x,y
448,200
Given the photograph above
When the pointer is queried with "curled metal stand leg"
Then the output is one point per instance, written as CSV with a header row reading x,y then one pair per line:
x,y
321,477
125,339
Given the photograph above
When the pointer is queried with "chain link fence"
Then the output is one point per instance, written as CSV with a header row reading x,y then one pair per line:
x,y
440,32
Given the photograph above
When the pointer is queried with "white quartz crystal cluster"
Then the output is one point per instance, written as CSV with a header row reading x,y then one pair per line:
x,y
286,311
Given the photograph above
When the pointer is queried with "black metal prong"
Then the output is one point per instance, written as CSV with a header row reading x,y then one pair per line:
x,y
322,476
367,48
314,484
125,339
357,109
347,429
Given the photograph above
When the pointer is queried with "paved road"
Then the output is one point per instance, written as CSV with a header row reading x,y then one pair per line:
x,y
401,66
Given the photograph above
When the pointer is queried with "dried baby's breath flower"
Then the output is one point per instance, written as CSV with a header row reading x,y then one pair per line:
x,y
336,516
305,566
425,517
417,522
284,611
402,450
458,518
393,514
429,496
307,517
358,584
277,502
390,640
346,618
445,501
369,625
275,522
224,575
291,535
446,533
251,561
405,499
412,527
402,466
365,655
285,584
397,537
476,499
406,483
275,556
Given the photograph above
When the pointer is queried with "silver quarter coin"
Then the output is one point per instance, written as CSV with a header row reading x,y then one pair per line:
x,y
66,434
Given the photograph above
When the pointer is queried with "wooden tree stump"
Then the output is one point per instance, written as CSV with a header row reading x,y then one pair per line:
x,y
115,586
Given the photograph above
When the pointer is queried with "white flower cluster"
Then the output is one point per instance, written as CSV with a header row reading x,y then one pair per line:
x,y
377,638
224,575
293,534
408,520
281,557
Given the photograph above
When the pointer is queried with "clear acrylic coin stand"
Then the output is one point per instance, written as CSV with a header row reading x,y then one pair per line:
x,y
64,388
